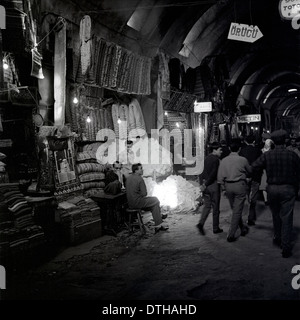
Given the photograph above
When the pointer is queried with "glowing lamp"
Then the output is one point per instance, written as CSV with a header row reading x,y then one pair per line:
x,y
75,100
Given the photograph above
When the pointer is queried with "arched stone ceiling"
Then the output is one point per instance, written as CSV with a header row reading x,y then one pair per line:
x,y
201,27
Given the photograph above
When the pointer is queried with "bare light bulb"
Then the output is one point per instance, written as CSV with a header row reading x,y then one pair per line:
x,y
5,66
75,100
119,121
88,119
166,113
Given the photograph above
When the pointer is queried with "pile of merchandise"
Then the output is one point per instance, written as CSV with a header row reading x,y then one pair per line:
x,y
79,218
19,234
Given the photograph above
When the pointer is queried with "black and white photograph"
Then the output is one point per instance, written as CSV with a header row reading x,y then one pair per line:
x,y
150,155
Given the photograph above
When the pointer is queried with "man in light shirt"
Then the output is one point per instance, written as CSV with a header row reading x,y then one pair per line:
x,y
232,174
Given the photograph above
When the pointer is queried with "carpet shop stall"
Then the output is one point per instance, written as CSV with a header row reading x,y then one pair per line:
x,y
74,100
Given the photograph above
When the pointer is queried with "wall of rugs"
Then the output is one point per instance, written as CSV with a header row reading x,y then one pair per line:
x,y
116,68
123,116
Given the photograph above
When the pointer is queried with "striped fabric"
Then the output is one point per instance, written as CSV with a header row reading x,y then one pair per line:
x,y
123,113
89,167
139,118
92,176
115,117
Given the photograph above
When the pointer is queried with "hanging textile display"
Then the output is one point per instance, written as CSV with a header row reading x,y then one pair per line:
x,y
131,122
60,66
148,107
36,67
140,127
234,128
164,76
85,40
124,115
180,101
115,117
114,67
222,131
10,74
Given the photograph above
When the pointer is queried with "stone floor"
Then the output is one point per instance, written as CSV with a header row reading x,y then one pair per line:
x,y
178,264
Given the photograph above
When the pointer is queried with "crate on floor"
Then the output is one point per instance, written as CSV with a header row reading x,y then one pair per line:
x,y
83,232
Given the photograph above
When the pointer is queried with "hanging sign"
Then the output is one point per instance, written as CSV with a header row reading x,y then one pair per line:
x,y
248,118
288,9
244,32
2,18
203,106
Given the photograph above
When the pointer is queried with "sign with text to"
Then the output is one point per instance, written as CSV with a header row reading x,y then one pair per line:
x,y
244,32
288,9
249,118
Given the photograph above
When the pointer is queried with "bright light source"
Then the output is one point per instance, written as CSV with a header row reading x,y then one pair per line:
x,y
88,119
256,128
5,66
166,113
166,194
75,100
292,90
119,121
177,125
252,128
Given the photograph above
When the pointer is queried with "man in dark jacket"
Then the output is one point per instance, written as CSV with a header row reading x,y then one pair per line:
x,y
251,153
283,176
210,188
137,198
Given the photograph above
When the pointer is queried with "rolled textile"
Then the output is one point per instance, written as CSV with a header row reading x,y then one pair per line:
x,y
85,37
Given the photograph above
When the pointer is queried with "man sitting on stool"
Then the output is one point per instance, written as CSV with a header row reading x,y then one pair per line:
x,y
136,193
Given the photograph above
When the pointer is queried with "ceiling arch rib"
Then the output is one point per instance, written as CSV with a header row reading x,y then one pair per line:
x,y
209,17
173,39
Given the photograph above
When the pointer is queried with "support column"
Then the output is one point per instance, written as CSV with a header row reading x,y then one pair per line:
x,y
60,75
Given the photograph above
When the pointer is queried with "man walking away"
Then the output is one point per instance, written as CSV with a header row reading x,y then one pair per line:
x,y
283,176
225,149
210,188
232,174
251,153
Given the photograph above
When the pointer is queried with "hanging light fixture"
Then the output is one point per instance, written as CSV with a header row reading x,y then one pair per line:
x,y
75,100
88,119
5,64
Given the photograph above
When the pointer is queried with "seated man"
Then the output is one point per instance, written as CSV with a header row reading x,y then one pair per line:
x,y
136,192
112,180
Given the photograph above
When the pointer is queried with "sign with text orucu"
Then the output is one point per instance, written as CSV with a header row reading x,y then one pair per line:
x,y
244,32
